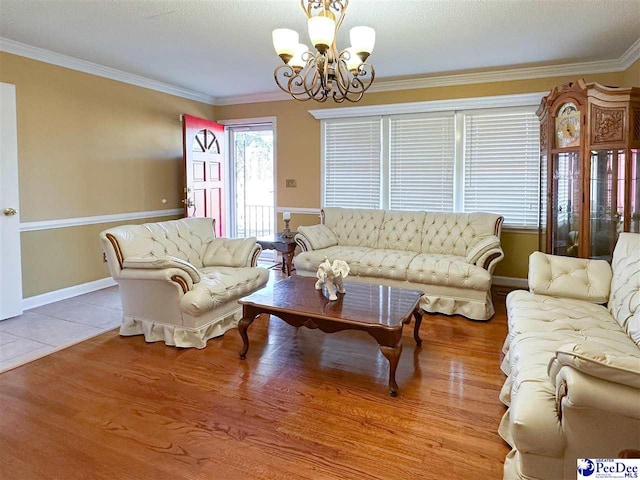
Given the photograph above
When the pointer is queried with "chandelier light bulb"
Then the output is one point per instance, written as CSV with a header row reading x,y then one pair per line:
x,y
363,39
353,59
322,31
297,62
285,42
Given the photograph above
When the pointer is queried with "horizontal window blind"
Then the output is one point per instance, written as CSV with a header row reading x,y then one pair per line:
x,y
352,162
501,165
421,161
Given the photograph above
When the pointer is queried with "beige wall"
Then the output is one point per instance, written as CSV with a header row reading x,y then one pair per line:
x,y
63,257
88,146
631,78
93,146
298,137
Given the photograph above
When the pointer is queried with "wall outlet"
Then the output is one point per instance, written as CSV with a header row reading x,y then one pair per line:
x,y
291,183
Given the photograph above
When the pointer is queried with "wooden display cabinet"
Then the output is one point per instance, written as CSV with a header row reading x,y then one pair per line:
x,y
589,142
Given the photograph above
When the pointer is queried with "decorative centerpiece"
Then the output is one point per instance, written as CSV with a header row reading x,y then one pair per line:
x,y
331,275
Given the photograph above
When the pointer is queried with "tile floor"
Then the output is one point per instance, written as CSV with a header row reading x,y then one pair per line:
x,y
44,330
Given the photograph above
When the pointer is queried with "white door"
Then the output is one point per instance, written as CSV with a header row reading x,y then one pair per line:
x,y
10,267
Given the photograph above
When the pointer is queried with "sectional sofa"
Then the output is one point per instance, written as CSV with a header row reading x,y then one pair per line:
x,y
449,256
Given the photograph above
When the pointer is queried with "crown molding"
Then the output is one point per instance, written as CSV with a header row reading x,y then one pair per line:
x,y
631,56
621,64
252,98
627,59
499,76
47,56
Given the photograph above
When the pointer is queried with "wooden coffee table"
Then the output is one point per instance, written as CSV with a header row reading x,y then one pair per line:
x,y
378,310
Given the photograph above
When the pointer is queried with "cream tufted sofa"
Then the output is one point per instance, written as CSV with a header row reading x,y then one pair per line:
x,y
573,364
179,284
449,256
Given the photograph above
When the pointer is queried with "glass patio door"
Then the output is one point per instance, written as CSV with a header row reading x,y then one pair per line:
x,y
252,181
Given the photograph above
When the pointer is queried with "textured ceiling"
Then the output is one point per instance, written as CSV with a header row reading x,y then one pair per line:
x,y
223,47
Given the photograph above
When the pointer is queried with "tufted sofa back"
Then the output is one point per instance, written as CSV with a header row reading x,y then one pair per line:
x,y
401,231
624,299
456,233
186,238
423,232
354,227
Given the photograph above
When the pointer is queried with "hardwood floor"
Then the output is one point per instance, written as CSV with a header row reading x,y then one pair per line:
x,y
303,405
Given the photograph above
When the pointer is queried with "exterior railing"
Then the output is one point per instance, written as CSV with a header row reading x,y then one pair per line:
x,y
255,221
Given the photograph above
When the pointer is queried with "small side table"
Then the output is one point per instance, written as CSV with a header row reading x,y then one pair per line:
x,y
286,246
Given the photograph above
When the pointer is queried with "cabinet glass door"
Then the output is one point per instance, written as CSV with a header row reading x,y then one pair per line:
x,y
565,205
606,212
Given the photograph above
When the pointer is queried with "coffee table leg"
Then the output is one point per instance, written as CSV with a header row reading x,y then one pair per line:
x,y
288,259
243,325
416,329
393,355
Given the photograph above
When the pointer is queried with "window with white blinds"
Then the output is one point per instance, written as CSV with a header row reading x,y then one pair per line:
x,y
462,161
421,162
501,164
352,163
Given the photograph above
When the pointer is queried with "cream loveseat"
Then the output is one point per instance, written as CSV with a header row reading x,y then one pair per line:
x,y
179,284
449,256
573,364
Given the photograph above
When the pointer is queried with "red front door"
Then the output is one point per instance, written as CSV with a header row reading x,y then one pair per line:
x,y
203,147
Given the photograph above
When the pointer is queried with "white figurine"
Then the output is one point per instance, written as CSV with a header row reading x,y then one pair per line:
x,y
332,276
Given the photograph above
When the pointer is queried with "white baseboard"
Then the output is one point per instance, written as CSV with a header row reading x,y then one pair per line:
x,y
64,293
510,282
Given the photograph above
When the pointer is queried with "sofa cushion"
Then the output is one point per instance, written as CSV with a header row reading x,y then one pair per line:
x,y
617,362
391,264
401,231
311,260
228,252
456,233
625,286
221,285
354,227
450,270
318,236
529,313
569,277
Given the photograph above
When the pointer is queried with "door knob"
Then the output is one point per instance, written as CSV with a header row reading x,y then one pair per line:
x,y
9,211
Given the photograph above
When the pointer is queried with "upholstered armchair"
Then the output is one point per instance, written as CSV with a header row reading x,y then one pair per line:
x,y
178,282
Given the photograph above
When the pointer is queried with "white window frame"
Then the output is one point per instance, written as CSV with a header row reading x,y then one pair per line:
x,y
456,105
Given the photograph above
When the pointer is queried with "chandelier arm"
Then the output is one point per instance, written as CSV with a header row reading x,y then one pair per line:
x,y
312,79
287,72
342,11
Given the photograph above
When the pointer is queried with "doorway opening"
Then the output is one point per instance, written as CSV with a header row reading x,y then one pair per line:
x,y
252,182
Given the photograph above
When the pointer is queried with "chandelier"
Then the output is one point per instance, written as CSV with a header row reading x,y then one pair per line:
x,y
326,72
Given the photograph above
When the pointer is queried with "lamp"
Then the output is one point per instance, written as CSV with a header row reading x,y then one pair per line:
x,y
325,73
287,233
